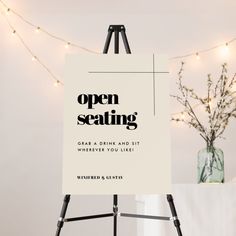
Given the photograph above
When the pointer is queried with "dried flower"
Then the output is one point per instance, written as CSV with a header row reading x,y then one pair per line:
x,y
219,104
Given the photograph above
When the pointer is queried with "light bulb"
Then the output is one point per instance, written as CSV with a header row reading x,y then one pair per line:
x,y
34,58
8,11
227,47
56,84
210,103
37,29
67,45
225,50
197,56
182,115
14,32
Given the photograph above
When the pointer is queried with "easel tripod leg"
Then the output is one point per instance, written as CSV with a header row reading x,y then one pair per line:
x,y
125,40
60,222
115,211
108,40
116,42
174,214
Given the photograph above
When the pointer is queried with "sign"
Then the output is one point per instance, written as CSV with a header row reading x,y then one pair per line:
x,y
116,125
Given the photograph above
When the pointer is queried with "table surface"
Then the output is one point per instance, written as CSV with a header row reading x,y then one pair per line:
x,y
204,210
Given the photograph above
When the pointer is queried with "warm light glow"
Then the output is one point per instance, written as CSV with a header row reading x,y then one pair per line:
x,y
176,121
225,50
8,10
37,30
197,56
227,47
67,45
182,115
57,83
212,103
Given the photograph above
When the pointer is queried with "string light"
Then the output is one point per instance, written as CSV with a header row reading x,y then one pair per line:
x,y
45,31
227,47
197,56
34,58
224,50
8,11
210,104
67,45
57,83
182,115
37,30
92,51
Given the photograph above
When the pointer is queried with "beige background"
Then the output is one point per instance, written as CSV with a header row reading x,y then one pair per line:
x,y
146,170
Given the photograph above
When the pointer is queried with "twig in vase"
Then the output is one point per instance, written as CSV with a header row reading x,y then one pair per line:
x,y
219,104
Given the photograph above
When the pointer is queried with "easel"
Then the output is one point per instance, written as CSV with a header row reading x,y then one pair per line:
x,y
117,29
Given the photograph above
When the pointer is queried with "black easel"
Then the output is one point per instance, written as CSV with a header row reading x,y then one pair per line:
x,y
117,30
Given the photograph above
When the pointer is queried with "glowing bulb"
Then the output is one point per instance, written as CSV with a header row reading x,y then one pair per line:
x,y
34,58
56,84
225,50
197,56
182,115
227,47
8,11
211,103
37,29
14,32
67,45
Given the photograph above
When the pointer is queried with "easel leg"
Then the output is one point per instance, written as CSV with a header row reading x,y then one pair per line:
x,y
174,214
60,222
125,40
115,211
116,41
108,40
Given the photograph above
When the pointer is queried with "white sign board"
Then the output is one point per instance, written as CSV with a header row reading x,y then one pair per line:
x,y
116,125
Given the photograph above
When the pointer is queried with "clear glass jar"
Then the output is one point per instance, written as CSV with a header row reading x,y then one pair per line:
x,y
211,165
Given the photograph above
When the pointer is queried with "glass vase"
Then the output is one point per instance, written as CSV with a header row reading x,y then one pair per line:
x,y
211,165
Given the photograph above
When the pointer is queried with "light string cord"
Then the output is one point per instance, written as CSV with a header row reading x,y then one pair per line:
x,y
203,50
45,31
57,81
15,32
68,43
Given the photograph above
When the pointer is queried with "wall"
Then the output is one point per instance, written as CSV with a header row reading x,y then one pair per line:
x,y
31,107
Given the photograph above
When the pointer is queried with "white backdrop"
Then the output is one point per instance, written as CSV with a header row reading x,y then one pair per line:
x,y
204,210
31,107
